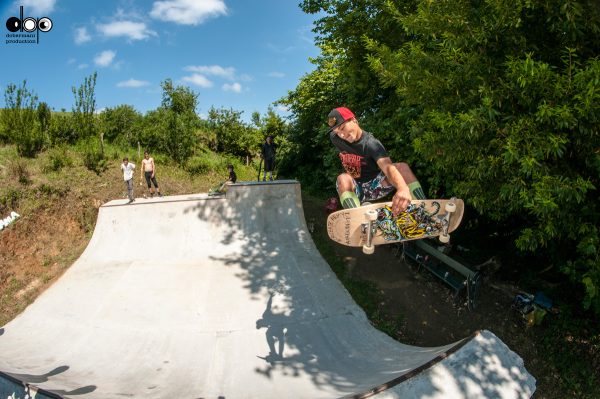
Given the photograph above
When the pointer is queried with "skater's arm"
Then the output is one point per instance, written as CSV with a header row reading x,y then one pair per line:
x,y
402,196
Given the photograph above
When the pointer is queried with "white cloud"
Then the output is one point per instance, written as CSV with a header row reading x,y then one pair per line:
x,y
82,66
82,35
234,87
37,8
131,30
278,75
213,70
133,83
198,80
187,12
105,58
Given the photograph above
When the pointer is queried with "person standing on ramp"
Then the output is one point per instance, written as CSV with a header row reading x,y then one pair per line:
x,y
268,149
149,172
128,168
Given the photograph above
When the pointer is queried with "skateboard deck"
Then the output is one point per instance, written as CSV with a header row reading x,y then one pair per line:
x,y
422,219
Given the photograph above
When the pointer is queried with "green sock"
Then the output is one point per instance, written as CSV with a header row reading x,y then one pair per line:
x,y
349,199
416,190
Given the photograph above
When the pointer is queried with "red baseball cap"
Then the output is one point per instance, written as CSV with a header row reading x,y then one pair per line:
x,y
337,116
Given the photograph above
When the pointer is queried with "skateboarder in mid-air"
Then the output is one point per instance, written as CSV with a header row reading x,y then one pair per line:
x,y
369,172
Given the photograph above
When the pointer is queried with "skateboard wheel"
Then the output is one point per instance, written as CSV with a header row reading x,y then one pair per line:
x,y
445,238
371,215
368,249
450,207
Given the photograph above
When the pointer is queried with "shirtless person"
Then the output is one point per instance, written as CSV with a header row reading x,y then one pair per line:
x,y
148,170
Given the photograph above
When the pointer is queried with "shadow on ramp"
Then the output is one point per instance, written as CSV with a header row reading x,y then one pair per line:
x,y
191,296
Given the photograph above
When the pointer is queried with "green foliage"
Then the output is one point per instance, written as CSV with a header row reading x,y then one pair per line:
x,y
21,120
310,103
206,163
85,107
57,159
93,156
526,128
181,100
172,127
494,102
62,129
233,136
153,129
121,125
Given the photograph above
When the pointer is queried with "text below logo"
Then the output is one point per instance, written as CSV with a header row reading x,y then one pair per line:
x,y
25,29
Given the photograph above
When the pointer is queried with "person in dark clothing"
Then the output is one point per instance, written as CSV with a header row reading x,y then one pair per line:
x,y
232,175
268,149
223,186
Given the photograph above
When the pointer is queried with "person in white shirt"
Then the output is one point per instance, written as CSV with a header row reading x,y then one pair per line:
x,y
128,168
148,171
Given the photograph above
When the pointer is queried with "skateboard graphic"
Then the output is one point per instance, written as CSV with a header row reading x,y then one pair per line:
x,y
374,224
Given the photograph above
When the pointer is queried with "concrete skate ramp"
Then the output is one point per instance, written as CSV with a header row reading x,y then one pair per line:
x,y
199,297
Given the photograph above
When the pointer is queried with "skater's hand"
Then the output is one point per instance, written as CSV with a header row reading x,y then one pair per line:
x,y
400,201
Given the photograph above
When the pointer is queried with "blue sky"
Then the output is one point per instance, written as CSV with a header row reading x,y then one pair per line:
x,y
240,54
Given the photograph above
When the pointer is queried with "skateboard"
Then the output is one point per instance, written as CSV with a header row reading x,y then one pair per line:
x,y
374,224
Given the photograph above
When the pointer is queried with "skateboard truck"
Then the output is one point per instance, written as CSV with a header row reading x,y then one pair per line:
x,y
368,231
450,209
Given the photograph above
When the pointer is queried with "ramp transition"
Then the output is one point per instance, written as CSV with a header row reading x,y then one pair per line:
x,y
193,296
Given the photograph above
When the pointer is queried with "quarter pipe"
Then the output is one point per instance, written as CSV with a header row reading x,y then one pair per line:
x,y
193,296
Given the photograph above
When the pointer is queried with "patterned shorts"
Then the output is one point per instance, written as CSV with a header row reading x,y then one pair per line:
x,y
371,190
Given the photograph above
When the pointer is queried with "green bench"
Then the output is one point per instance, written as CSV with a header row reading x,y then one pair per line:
x,y
464,281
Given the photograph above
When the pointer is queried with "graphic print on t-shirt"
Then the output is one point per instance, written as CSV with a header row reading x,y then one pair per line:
x,y
351,163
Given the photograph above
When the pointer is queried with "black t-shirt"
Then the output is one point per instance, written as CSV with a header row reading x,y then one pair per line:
x,y
268,150
232,176
359,159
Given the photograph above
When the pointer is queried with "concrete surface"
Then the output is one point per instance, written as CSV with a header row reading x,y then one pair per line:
x,y
225,297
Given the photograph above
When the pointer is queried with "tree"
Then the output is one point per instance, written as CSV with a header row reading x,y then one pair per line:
x,y
342,77
232,134
85,107
506,110
62,129
20,120
44,116
121,124
83,118
181,122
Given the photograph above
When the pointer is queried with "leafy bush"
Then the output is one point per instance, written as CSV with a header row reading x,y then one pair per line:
x,y
58,158
61,129
30,142
93,156
207,163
